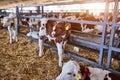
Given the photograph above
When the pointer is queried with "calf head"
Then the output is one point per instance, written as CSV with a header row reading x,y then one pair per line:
x,y
69,71
61,31
9,22
12,15
6,22
43,22
58,29
24,21
49,27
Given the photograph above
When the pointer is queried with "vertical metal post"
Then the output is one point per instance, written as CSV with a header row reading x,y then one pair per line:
x,y
17,16
21,7
104,33
114,20
38,10
42,9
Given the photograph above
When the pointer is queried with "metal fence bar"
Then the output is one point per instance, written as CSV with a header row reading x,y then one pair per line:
x,y
88,42
17,15
75,2
67,52
42,9
102,46
104,33
75,56
31,17
112,33
116,49
75,21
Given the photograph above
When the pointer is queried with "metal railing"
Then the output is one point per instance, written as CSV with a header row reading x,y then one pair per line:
x,y
102,46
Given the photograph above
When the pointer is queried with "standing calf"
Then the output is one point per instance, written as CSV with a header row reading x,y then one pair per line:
x,y
57,31
11,23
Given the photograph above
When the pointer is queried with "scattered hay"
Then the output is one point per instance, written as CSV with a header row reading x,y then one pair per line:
x,y
20,61
24,30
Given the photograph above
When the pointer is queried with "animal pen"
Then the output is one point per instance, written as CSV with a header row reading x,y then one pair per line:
x,y
107,46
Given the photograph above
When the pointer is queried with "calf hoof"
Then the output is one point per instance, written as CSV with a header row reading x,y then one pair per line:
x,y
60,64
40,54
10,42
16,40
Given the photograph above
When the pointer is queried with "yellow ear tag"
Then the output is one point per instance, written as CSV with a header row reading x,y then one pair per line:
x,y
1,21
54,27
78,76
67,28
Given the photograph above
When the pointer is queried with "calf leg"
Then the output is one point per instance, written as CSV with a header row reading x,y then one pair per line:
x,y
15,35
41,47
10,38
64,44
16,39
10,34
30,25
60,52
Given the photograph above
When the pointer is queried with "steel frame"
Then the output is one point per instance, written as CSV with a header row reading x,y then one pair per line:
x,y
102,44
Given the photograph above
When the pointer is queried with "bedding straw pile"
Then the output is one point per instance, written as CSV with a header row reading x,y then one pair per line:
x,y
20,60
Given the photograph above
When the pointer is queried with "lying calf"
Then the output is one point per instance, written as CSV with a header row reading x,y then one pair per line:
x,y
89,73
69,71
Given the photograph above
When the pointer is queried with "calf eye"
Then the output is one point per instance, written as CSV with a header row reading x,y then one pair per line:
x,y
43,24
69,73
61,28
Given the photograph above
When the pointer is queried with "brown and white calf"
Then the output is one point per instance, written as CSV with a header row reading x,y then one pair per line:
x,y
73,71
89,73
57,31
11,22
33,22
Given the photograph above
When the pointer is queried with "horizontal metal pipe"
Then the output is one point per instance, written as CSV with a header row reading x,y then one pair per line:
x,y
115,49
77,40
73,55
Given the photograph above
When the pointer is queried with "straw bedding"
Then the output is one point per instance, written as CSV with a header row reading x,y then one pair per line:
x,y
20,61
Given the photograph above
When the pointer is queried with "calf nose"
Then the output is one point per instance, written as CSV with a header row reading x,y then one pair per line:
x,y
53,33
42,28
44,25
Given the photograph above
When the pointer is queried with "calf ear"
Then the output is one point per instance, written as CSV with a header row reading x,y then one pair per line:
x,y
82,68
67,26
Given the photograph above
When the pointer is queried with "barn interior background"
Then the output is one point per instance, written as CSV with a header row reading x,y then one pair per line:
x,y
21,61
13,3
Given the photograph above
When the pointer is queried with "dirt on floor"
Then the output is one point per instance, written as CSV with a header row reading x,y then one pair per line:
x,y
20,60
